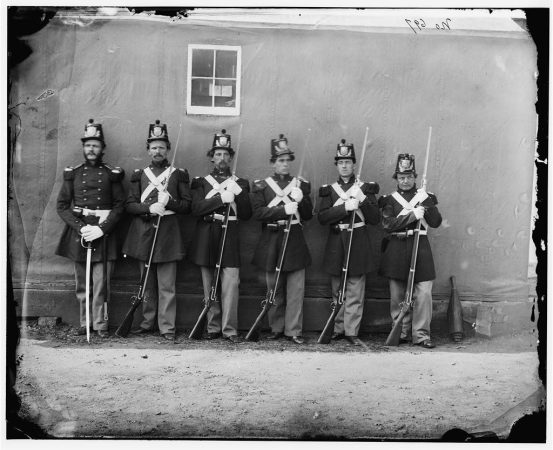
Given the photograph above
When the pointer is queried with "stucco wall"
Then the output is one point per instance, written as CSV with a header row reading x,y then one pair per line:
x,y
478,94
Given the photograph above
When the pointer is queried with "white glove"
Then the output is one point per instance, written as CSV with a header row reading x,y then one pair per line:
x,y
157,208
352,204
91,232
296,194
356,192
234,187
291,208
419,212
163,197
227,197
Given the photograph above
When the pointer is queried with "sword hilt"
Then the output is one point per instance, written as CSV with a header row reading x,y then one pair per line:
x,y
85,244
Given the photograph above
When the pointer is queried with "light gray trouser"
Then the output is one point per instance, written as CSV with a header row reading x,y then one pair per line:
x,y
223,314
96,290
160,297
348,319
416,323
286,315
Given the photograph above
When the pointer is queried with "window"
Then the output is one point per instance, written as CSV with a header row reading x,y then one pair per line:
x,y
213,81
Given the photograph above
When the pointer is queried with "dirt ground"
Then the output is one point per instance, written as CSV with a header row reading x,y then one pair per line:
x,y
144,387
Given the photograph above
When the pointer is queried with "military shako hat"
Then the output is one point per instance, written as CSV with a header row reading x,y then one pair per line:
x,y
345,151
405,165
93,131
221,141
279,147
157,132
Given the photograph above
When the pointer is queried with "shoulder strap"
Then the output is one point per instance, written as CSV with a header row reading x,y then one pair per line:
x,y
409,206
281,194
155,182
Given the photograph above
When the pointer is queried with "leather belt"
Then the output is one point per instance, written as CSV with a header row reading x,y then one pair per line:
x,y
405,234
102,214
281,223
221,217
345,226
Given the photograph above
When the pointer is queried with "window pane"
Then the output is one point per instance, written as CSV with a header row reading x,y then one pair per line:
x,y
226,64
225,93
202,63
200,92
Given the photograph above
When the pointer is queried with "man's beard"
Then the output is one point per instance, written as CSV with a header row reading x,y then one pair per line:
x,y
221,165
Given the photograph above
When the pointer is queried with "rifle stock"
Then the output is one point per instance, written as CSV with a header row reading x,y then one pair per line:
x,y
395,334
198,329
253,334
126,325
326,334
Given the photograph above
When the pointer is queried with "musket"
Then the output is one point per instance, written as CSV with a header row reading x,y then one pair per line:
x,y
198,329
269,300
326,334
395,334
136,300
88,247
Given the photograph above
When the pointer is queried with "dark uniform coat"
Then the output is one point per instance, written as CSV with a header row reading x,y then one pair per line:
x,y
204,249
269,246
396,256
169,243
361,259
92,187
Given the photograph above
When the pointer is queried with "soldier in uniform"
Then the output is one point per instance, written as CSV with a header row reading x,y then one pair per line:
x,y
158,190
273,201
210,197
337,203
91,202
400,212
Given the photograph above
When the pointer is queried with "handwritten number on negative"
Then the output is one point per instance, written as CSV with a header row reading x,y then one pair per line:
x,y
420,24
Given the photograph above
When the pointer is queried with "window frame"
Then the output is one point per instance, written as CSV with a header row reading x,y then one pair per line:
x,y
214,110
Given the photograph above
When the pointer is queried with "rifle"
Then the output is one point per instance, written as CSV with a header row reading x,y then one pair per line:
x,y
198,329
326,334
269,300
136,300
394,336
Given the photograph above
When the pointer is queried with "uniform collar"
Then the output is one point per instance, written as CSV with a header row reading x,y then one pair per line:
x,y
351,180
89,164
